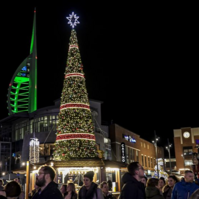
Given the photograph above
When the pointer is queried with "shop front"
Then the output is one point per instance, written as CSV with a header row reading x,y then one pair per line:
x,y
74,170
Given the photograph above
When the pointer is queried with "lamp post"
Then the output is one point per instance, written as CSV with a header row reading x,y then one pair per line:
x,y
155,144
168,149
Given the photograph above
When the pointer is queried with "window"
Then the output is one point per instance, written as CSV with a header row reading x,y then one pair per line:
x,y
141,144
142,160
147,146
137,156
144,145
148,161
145,161
188,162
187,151
151,162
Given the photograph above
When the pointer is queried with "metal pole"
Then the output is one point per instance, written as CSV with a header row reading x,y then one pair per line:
x,y
169,155
27,179
156,152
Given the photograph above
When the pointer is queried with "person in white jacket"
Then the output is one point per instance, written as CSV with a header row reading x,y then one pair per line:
x,y
90,189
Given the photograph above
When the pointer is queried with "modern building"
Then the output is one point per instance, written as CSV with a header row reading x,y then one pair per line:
x,y
19,128
186,141
129,147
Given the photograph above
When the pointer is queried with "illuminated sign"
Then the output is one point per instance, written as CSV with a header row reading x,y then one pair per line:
x,y
129,138
123,153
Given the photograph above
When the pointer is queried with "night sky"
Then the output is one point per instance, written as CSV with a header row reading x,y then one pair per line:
x,y
142,63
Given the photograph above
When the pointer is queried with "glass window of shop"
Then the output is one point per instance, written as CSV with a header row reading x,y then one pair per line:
x,y
113,176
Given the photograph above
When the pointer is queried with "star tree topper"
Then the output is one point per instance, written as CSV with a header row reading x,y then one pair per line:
x,y
73,20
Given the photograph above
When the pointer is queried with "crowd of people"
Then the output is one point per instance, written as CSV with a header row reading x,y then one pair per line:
x,y
135,186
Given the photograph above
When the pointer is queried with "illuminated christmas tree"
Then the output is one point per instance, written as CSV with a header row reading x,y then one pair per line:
x,y
75,131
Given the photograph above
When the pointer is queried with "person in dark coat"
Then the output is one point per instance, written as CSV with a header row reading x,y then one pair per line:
x,y
153,190
167,189
132,185
89,190
48,188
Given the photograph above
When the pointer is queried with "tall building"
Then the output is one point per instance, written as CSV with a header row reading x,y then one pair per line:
x,y
186,141
22,91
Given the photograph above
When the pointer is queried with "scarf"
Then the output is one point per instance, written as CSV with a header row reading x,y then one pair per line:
x,y
88,194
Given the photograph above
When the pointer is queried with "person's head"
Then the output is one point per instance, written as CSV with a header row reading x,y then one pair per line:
x,y
172,180
161,182
144,180
104,187
17,180
136,170
189,176
195,194
71,187
152,182
12,189
63,188
88,178
45,175
1,182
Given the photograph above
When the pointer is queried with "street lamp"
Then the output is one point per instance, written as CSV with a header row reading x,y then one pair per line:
x,y
155,144
168,149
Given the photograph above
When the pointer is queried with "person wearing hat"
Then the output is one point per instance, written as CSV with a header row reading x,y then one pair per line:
x,y
90,189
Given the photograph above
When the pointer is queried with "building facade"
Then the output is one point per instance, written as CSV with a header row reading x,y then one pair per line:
x,y
129,147
17,130
186,141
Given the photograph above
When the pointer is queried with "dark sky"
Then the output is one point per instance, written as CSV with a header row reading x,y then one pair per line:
x,y
141,62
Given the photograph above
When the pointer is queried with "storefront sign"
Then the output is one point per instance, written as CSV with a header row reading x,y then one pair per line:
x,y
129,138
123,153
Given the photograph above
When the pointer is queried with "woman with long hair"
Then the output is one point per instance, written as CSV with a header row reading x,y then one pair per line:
x,y
70,191
167,189
152,189
105,190
63,189
161,183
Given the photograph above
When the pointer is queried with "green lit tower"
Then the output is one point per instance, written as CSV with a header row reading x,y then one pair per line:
x,y
22,91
